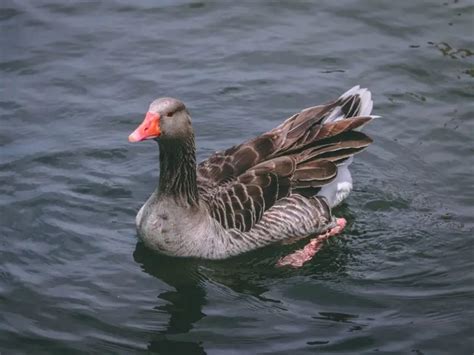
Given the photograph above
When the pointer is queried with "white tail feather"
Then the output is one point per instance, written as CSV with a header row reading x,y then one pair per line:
x,y
336,191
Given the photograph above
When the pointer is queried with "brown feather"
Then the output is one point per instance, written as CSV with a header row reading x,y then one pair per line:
x,y
299,156
335,128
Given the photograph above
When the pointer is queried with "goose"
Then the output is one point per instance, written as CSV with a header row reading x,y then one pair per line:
x,y
278,187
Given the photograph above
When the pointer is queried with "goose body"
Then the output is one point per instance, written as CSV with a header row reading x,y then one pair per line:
x,y
277,187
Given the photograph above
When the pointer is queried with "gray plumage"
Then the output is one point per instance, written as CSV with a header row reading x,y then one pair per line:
x,y
278,186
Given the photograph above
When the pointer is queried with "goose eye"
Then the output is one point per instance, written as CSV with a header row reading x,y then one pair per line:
x,y
169,114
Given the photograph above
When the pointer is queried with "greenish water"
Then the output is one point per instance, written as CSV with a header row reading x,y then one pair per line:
x,y
77,77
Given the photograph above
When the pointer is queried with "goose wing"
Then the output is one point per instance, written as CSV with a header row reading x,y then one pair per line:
x,y
298,157
302,130
242,202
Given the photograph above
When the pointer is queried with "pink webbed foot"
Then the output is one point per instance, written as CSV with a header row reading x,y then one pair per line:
x,y
299,257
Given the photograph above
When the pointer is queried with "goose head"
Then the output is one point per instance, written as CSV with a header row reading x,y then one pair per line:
x,y
167,118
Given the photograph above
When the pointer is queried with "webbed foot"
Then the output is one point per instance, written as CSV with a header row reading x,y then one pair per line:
x,y
301,256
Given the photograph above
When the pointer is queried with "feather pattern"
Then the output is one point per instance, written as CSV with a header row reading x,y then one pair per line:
x,y
259,192
299,156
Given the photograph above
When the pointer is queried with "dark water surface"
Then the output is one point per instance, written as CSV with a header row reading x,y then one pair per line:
x,y
76,79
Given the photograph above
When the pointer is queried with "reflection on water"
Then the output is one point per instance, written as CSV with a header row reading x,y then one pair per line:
x,y
251,275
184,304
451,52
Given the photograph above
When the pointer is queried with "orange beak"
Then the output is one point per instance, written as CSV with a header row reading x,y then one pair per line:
x,y
149,129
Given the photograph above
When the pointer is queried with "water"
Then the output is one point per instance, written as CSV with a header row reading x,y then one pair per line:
x,y
76,79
